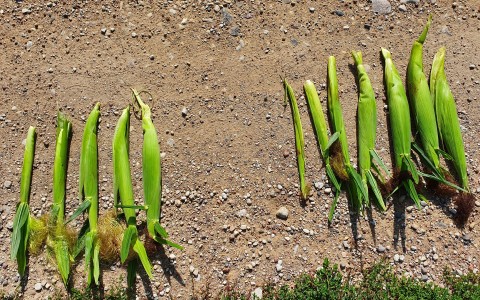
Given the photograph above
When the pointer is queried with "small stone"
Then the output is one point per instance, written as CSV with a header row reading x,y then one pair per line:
x,y
10,225
7,184
380,249
134,34
346,245
339,13
346,27
38,287
216,8
424,278
435,257
178,203
311,9
286,153
279,266
243,227
319,185
410,208
466,237
26,11
382,7
396,258
241,213
195,272
402,8
184,112
235,31
224,196
423,203
328,190
103,30
282,213
29,45
472,66
249,201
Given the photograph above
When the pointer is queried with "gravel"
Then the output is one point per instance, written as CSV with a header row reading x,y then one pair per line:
x,y
382,7
38,287
282,213
7,184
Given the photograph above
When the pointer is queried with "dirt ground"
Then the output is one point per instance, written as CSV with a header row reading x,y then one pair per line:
x,y
214,69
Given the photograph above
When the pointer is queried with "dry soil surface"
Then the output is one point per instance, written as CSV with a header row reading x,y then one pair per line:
x,y
214,71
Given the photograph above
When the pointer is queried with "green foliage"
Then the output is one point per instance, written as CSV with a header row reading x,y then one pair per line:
x,y
379,282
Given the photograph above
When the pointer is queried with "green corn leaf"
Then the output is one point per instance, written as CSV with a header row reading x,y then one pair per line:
x,y
444,154
170,243
62,257
411,168
357,180
376,191
412,192
19,222
376,158
332,178
332,140
442,180
80,243
82,208
139,207
160,230
128,236
142,254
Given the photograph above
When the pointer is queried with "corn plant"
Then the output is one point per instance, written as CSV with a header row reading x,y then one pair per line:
x,y
342,165
450,132
22,220
367,132
60,238
123,191
324,142
152,175
299,142
88,193
399,113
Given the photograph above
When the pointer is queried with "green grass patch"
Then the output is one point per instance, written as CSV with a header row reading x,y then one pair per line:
x,y
379,282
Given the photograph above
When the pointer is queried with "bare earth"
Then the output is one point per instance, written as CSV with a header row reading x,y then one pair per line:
x,y
229,161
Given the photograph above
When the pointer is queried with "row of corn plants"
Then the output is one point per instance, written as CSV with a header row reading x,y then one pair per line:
x,y
115,235
423,125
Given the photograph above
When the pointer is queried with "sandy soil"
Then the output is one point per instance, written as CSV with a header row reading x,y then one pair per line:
x,y
229,161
